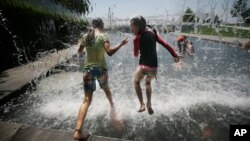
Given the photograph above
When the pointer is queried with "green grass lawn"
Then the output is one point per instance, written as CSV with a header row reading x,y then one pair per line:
x,y
222,31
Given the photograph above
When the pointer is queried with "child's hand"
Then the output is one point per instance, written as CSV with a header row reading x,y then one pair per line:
x,y
81,51
124,42
177,59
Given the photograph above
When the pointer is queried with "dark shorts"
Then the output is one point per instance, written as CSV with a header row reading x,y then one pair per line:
x,y
91,75
179,46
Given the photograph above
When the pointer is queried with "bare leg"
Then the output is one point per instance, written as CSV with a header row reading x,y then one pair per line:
x,y
109,95
117,123
148,92
179,47
82,114
137,79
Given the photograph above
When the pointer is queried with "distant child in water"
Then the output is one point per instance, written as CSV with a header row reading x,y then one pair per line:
x,y
190,48
181,40
246,45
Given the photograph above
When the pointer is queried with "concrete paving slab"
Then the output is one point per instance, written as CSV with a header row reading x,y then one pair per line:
x,y
16,78
8,130
28,133
19,132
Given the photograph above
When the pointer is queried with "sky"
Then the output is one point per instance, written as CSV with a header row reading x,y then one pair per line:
x,y
170,8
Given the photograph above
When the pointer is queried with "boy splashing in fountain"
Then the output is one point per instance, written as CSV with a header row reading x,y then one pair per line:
x,y
145,44
181,41
97,44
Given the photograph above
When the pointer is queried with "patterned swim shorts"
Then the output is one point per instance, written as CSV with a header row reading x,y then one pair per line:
x,y
91,75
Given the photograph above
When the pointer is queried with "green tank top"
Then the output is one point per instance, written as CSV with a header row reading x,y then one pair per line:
x,y
96,52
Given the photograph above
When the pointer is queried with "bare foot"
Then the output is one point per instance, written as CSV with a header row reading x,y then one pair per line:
x,y
150,110
79,136
142,108
116,122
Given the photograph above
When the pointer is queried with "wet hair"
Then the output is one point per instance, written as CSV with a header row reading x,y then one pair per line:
x,y
140,22
96,23
151,28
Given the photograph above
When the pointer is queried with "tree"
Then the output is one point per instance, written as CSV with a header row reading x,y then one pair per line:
x,y
189,16
217,19
80,6
240,9
246,16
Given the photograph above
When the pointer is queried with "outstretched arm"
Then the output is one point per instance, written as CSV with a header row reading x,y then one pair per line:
x,y
168,47
81,47
111,51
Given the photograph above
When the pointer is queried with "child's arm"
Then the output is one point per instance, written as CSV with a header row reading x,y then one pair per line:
x,y
82,44
111,51
168,47
80,49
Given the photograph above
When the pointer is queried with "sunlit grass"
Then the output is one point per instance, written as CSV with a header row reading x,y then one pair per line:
x,y
221,31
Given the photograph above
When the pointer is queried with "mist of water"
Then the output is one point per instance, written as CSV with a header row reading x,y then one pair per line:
x,y
195,100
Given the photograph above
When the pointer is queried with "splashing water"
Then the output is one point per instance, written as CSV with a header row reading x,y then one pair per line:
x,y
18,54
196,100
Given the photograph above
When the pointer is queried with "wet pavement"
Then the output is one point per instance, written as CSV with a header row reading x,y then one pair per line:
x,y
19,132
